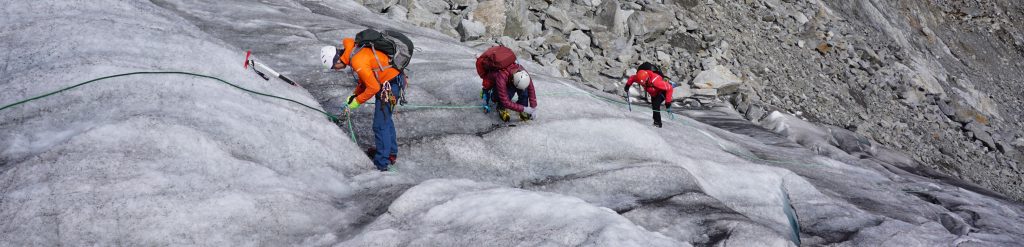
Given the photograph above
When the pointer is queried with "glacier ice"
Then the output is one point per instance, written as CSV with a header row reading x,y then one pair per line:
x,y
179,160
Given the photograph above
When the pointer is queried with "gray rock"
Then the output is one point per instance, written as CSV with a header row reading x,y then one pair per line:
x,y
635,22
581,39
422,17
800,18
470,30
517,23
559,20
464,3
492,14
434,6
689,4
946,109
378,5
755,113
397,13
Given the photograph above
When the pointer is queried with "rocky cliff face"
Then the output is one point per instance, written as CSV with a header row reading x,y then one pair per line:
x,y
940,81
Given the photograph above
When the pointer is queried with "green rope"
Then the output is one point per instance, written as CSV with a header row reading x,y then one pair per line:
x,y
352,133
332,117
329,116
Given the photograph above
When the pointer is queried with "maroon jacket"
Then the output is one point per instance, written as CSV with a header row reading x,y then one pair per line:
x,y
503,82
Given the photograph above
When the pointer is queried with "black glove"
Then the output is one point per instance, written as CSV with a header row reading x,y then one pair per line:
x,y
625,89
668,106
350,99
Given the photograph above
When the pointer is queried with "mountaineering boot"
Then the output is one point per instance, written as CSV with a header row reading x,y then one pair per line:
x,y
503,114
657,124
525,116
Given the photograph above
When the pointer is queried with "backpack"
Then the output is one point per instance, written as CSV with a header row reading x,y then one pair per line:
x,y
396,45
651,67
497,58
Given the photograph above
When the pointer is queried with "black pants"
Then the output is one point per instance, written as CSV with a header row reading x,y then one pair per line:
x,y
656,103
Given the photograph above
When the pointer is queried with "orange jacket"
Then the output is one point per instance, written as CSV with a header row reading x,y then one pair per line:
x,y
367,66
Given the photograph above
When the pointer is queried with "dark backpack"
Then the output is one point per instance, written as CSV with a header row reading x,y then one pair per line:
x,y
651,67
396,45
496,58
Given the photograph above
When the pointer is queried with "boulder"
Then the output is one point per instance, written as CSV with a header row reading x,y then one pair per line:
x,y
377,5
581,39
463,3
397,13
470,30
558,19
664,58
635,24
492,14
717,77
657,22
517,21
434,6
422,17
610,15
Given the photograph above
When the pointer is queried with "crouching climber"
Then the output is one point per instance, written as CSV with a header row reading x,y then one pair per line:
x,y
657,87
377,60
504,79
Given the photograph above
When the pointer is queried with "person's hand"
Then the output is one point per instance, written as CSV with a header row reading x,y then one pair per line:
x,y
353,103
668,106
529,110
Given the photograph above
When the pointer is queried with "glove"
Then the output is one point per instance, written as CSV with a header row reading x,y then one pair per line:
x,y
353,103
529,110
626,89
668,106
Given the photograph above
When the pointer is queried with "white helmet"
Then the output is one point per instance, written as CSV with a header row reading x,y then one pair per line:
x,y
522,79
328,56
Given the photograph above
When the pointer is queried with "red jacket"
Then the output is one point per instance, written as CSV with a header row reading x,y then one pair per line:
x,y
654,86
502,83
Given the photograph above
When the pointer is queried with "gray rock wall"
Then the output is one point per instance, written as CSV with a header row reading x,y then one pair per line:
x,y
938,80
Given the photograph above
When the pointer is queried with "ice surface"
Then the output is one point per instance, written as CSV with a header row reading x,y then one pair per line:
x,y
170,159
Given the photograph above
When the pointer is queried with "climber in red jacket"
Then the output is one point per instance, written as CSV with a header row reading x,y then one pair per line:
x,y
659,89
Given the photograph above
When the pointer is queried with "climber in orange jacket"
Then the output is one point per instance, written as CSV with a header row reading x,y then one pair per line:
x,y
656,86
375,79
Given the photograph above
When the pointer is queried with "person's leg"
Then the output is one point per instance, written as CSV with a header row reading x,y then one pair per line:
x,y
384,129
381,135
656,105
524,97
394,136
524,100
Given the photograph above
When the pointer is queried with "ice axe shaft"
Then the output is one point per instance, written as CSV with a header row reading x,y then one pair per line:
x,y
268,70
629,103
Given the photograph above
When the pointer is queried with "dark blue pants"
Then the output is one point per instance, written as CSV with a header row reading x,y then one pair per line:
x,y
524,97
384,135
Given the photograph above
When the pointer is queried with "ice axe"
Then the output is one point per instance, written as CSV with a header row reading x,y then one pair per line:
x,y
262,70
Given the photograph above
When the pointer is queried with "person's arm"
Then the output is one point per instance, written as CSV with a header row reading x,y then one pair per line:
x,y
533,94
367,80
632,79
668,96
